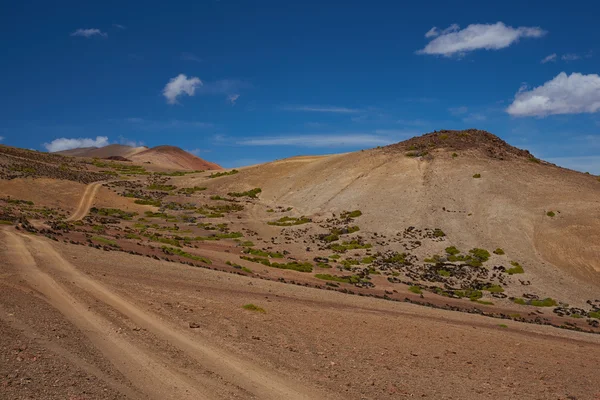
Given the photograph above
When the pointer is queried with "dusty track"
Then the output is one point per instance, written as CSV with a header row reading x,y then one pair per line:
x,y
144,370
86,201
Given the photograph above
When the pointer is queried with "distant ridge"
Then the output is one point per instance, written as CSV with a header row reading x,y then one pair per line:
x,y
169,157
112,150
175,158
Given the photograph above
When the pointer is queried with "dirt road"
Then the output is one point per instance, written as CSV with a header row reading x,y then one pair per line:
x,y
148,371
87,199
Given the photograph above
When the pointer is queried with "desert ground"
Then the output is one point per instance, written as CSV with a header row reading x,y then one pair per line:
x,y
449,266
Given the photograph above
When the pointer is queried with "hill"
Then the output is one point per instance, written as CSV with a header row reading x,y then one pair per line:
x,y
112,150
168,157
173,158
480,191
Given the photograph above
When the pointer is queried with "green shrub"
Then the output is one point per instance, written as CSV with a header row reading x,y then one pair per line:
x,y
547,302
594,314
443,272
494,288
105,241
499,251
191,190
247,270
249,193
351,214
290,221
113,212
148,202
262,253
535,160
157,186
516,269
550,213
341,279
415,289
452,250
218,174
477,176
438,232
181,253
349,245
454,155
252,307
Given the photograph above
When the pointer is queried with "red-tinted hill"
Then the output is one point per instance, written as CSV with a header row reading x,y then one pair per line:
x,y
173,158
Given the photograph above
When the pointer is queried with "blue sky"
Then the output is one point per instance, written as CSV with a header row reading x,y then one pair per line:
x,y
240,82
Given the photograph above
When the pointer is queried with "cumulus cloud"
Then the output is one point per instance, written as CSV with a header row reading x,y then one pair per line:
x,y
232,98
452,41
88,33
550,58
325,140
565,94
180,85
341,110
61,144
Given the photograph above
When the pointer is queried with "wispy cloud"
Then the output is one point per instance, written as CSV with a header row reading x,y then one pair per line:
x,y
119,26
88,33
130,142
452,41
323,109
550,58
181,85
570,57
325,140
147,124
1,138
458,110
61,144
197,151
190,57
565,94
232,98
474,117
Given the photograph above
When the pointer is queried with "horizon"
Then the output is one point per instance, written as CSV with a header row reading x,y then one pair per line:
x,y
239,84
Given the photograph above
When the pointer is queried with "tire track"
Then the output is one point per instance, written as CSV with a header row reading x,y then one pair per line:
x,y
149,374
85,202
263,383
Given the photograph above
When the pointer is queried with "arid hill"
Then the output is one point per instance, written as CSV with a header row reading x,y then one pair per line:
x,y
168,157
478,189
112,150
173,158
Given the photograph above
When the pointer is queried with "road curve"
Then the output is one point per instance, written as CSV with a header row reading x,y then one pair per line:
x,y
85,202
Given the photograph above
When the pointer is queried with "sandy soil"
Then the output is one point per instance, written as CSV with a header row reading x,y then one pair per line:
x,y
134,319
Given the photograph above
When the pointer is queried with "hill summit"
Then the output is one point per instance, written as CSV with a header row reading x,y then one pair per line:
x,y
468,139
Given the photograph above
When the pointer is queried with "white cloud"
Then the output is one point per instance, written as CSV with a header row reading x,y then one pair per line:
x,y
146,124
565,94
232,98
325,140
550,58
61,144
1,138
589,164
190,57
341,110
434,32
119,26
88,33
570,57
179,85
458,110
496,36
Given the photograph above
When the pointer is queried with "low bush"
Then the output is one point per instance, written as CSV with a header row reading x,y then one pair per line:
x,y
516,269
249,193
225,173
252,307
